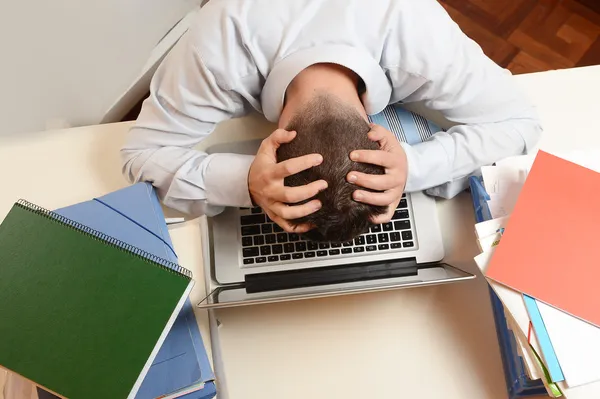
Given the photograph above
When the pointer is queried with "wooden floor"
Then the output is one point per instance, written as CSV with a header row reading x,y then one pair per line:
x,y
532,35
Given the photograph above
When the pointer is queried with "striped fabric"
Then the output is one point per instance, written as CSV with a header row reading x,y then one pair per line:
x,y
406,126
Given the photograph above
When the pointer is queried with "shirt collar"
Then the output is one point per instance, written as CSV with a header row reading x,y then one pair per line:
x,y
375,98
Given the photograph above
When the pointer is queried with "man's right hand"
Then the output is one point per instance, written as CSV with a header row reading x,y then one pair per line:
x,y
266,187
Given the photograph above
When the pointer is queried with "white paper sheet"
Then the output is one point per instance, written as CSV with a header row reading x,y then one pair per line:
x,y
576,344
489,227
489,242
504,184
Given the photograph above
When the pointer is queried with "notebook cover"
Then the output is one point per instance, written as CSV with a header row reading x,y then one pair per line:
x,y
549,250
78,306
134,215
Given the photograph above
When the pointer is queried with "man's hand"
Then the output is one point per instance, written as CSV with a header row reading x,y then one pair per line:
x,y
265,183
392,157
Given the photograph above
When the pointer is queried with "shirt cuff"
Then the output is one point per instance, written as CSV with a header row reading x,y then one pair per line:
x,y
226,180
428,165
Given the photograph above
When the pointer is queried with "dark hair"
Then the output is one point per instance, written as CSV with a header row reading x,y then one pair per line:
x,y
326,126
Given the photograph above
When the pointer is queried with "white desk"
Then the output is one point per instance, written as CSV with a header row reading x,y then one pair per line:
x,y
436,342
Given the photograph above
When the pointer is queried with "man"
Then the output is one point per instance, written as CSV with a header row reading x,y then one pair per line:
x,y
276,57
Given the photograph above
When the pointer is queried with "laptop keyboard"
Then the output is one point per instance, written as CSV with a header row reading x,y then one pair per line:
x,y
264,242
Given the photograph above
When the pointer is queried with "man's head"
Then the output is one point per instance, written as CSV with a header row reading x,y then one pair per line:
x,y
328,127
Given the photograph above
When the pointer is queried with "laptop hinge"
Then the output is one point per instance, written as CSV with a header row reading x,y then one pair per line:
x,y
262,282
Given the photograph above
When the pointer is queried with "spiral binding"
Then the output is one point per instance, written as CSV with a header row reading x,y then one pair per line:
x,y
153,259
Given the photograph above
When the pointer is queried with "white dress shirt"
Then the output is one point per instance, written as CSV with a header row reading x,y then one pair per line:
x,y
241,55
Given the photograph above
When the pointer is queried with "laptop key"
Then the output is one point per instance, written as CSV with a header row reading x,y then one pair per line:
x,y
250,252
336,245
348,244
256,209
300,246
376,228
261,259
277,249
297,255
388,226
248,261
246,241
394,236
403,204
313,246
371,239
371,248
293,237
309,254
273,258
404,195
396,245
321,253
408,244
407,235
383,247
266,228
360,240
277,228
359,249
259,240
270,239
400,214
383,237
402,225
285,257
334,252
252,219
346,250
324,245
282,237
288,248
265,250
250,230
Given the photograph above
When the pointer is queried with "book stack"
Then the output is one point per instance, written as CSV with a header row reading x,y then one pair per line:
x,y
535,224
95,304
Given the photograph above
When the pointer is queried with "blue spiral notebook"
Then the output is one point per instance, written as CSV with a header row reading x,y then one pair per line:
x,y
518,383
134,215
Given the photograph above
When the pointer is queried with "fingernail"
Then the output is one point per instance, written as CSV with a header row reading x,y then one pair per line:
x,y
354,156
323,186
358,195
317,207
318,160
352,178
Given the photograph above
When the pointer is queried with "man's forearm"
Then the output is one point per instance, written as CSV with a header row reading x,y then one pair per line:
x,y
191,181
441,164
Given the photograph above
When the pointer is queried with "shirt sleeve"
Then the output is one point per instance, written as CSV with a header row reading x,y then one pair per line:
x,y
186,102
493,118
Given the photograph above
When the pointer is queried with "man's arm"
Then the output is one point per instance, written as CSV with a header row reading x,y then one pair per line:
x,y
495,120
186,102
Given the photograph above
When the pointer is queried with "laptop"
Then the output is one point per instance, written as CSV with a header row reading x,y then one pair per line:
x,y
252,260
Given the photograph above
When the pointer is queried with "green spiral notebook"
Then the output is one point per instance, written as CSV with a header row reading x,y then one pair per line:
x,y
82,314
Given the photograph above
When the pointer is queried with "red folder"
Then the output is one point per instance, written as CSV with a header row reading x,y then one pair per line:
x,y
551,247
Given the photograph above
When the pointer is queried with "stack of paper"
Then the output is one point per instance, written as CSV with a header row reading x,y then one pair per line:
x,y
539,256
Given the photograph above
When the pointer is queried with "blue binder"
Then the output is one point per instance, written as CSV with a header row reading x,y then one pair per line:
x,y
134,215
518,384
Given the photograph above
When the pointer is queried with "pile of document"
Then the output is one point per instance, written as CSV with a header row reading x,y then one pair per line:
x,y
538,254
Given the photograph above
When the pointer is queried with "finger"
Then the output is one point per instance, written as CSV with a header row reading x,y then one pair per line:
x,y
383,218
374,182
382,135
295,211
291,195
275,139
289,227
380,199
295,165
376,157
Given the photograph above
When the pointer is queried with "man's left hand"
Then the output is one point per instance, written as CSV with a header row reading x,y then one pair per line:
x,y
392,158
